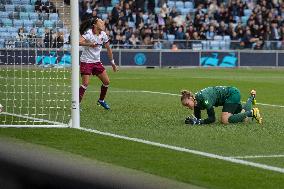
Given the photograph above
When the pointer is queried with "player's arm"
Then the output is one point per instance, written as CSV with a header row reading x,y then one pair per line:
x,y
84,42
211,116
110,56
197,119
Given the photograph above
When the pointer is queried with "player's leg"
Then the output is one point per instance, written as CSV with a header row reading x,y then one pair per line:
x,y
84,86
86,71
105,83
229,116
250,101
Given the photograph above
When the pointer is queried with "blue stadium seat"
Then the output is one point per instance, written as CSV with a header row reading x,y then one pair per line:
x,y
33,16
25,2
104,16
29,8
188,4
227,38
48,23
2,7
171,4
38,23
223,45
24,15
33,2
215,45
14,15
3,29
20,8
10,8
4,14
244,19
2,43
7,22
12,29
205,45
13,35
18,23
40,32
43,16
59,24
131,24
247,12
185,11
28,23
218,38
179,4
53,16
16,2
171,37
145,18
4,35
109,9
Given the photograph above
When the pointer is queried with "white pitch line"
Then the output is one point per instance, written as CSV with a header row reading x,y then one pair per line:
x,y
172,94
58,124
258,156
180,149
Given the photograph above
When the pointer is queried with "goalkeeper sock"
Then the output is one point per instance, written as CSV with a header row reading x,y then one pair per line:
x,y
240,117
104,89
236,118
248,105
82,90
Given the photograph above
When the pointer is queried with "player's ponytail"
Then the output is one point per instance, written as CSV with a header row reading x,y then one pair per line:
x,y
186,94
87,24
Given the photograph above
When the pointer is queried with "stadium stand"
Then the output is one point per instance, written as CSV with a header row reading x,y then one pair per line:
x,y
15,14
241,22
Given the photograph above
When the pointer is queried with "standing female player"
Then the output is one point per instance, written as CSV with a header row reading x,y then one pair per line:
x,y
228,97
93,38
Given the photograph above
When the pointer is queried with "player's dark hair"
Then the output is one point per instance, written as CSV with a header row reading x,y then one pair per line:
x,y
87,24
186,94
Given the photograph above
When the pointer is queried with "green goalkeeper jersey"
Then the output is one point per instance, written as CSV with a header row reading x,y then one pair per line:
x,y
211,97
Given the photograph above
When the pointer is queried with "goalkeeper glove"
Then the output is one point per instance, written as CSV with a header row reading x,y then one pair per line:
x,y
192,121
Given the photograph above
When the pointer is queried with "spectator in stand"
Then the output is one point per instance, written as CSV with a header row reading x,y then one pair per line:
x,y
134,41
128,12
210,33
38,6
140,4
248,40
32,38
21,35
49,7
274,34
115,14
212,9
47,38
58,41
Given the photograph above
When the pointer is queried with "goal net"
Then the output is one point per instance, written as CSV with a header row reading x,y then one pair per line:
x,y
35,64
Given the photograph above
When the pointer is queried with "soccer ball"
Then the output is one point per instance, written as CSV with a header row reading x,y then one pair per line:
x,y
1,108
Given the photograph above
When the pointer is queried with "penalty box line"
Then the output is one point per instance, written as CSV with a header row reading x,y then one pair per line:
x,y
172,94
181,149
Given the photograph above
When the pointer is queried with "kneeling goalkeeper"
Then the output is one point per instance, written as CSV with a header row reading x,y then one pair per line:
x,y
228,97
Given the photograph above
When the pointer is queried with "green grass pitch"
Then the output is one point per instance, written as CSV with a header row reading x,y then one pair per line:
x,y
137,112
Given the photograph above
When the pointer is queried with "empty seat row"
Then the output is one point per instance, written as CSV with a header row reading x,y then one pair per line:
x,y
6,22
29,15
17,8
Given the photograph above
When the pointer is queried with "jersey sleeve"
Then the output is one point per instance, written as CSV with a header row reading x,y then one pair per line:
x,y
211,116
86,36
105,38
